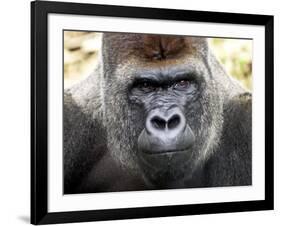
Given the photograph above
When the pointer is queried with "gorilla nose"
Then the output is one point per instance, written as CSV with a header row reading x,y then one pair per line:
x,y
161,123
166,130
168,123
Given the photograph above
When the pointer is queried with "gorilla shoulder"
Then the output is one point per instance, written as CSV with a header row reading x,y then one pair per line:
x,y
84,135
230,164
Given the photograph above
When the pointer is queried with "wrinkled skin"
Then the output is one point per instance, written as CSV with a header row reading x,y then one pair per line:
x,y
159,112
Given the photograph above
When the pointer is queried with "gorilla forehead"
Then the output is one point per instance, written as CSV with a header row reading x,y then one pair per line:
x,y
149,47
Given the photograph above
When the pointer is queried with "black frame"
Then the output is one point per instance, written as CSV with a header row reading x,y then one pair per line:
x,y
39,109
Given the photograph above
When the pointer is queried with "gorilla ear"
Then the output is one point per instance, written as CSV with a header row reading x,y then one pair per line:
x,y
161,47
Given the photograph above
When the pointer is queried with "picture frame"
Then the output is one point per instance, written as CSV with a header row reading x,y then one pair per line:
x,y
40,102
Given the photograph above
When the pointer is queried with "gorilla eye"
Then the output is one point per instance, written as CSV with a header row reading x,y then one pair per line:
x,y
145,86
182,84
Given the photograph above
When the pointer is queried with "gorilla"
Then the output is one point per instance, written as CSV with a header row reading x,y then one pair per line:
x,y
158,112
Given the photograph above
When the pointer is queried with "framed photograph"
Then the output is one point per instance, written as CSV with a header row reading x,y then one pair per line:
x,y
145,112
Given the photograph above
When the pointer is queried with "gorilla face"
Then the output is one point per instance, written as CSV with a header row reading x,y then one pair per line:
x,y
166,124
168,101
164,98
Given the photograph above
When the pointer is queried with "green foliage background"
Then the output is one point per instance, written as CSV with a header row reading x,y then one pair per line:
x,y
236,56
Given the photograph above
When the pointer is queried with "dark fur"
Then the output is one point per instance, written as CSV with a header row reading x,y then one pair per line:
x,y
101,124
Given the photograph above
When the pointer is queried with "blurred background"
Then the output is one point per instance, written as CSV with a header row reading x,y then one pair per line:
x,y
81,50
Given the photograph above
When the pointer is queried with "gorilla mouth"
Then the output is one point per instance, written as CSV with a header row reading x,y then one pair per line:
x,y
161,143
161,152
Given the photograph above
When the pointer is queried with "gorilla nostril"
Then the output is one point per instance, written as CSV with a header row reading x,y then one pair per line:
x,y
173,122
158,123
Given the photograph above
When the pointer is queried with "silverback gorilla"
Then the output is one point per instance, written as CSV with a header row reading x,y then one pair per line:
x,y
158,112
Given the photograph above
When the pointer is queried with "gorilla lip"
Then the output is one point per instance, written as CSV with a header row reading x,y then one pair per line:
x,y
169,151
